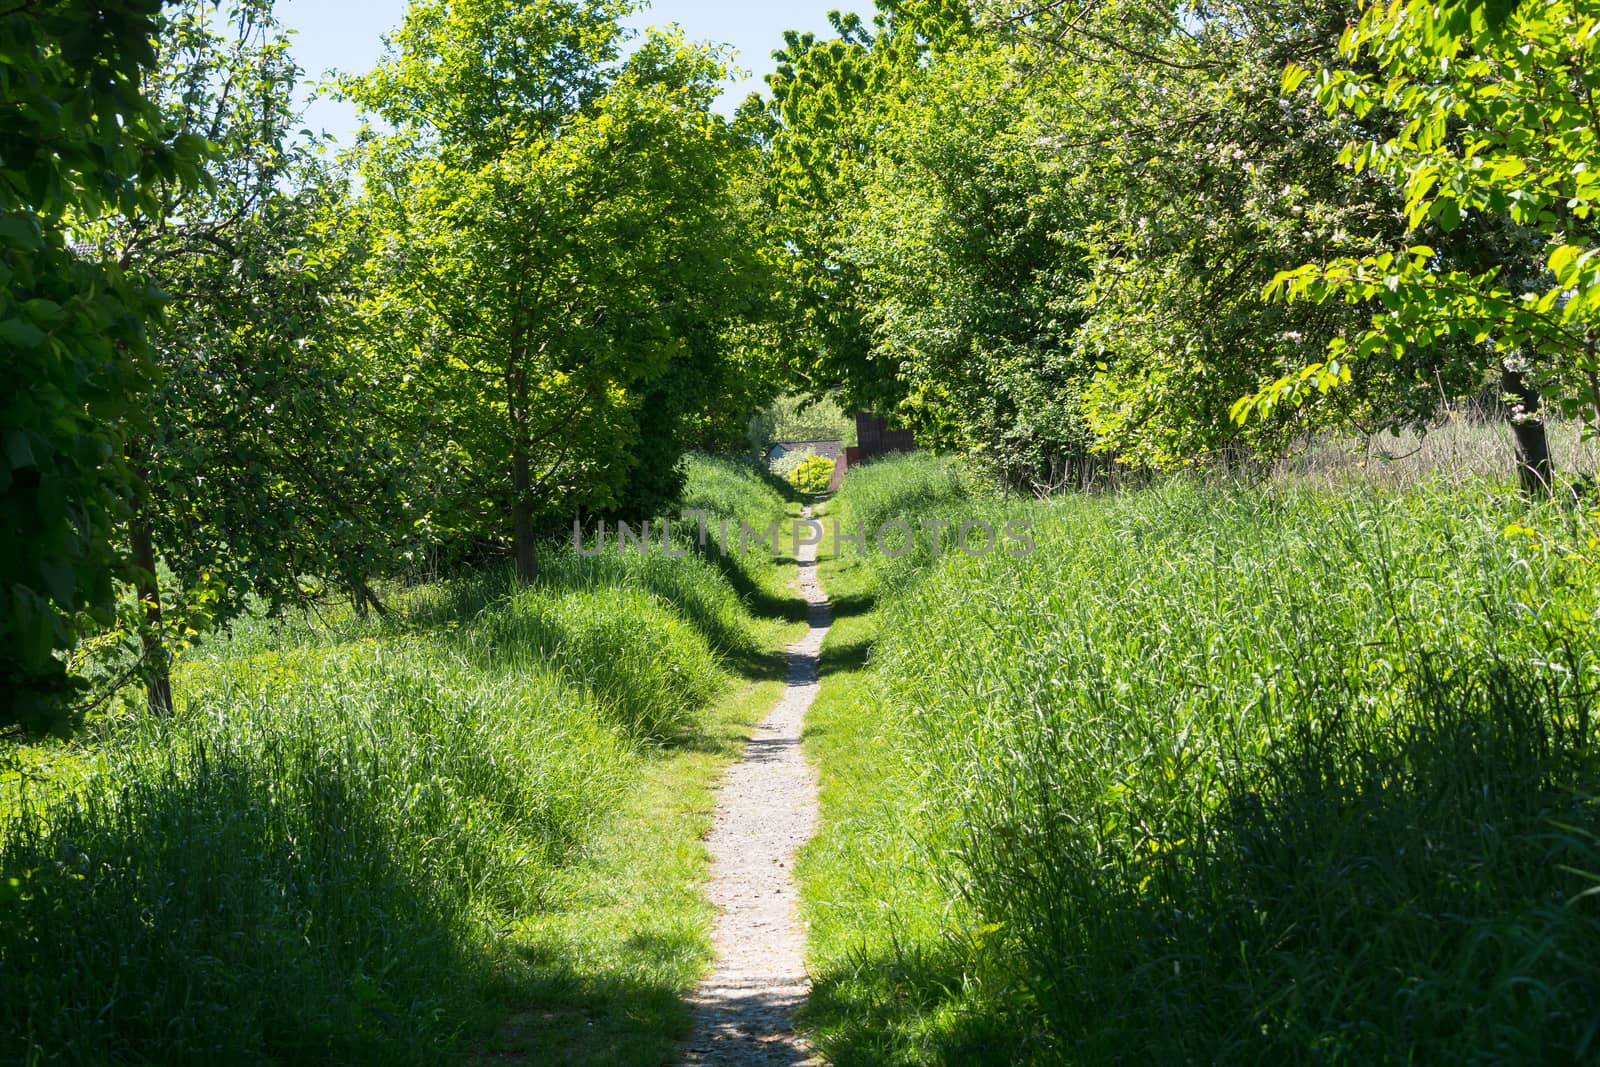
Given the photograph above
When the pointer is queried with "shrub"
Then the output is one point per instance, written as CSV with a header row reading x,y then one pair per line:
x,y
785,466
813,474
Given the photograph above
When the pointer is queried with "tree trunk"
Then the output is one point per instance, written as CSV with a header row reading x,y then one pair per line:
x,y
366,601
1535,471
522,515
157,669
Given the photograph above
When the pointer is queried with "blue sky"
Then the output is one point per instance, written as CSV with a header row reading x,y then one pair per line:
x,y
345,34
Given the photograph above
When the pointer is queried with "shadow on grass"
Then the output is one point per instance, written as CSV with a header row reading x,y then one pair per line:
x,y
458,601
761,601
1377,891
1418,886
851,605
224,908
459,612
237,908
846,656
556,1012
755,666
911,1004
782,485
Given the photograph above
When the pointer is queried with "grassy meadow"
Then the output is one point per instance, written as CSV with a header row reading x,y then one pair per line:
x,y
1229,773
468,832
1226,774
1226,691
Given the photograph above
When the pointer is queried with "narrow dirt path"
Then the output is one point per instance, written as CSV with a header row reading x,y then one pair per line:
x,y
766,809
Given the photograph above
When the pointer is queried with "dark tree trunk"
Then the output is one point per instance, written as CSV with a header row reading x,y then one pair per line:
x,y
1535,471
366,600
157,670
521,469
522,515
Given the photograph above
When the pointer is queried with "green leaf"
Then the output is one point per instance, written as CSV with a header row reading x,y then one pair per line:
x,y
21,334
19,451
1562,260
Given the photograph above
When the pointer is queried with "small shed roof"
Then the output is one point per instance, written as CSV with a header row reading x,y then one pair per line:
x,y
830,449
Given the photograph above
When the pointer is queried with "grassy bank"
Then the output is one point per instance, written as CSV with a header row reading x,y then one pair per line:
x,y
1214,775
467,831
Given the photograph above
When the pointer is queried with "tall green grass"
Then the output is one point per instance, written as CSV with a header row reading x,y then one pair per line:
x,y
907,489
320,858
1234,775
739,491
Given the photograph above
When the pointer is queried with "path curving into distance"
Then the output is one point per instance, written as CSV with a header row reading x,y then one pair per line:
x,y
766,809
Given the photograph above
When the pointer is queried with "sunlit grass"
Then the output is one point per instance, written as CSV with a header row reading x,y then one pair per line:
x,y
470,827
1217,775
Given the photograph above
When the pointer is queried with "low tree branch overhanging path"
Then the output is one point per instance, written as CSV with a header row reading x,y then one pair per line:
x,y
766,809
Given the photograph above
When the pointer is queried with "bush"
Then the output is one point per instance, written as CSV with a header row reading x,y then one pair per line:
x,y
785,466
813,474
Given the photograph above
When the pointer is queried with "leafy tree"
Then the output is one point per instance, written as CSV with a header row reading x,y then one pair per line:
x,y
909,190
816,135
923,235
723,308
1496,130
263,454
1043,229
557,229
957,237
78,139
1195,181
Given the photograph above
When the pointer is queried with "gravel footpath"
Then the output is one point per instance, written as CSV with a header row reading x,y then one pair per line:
x,y
766,809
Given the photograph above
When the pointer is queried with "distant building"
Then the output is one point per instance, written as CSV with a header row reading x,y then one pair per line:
x,y
873,439
781,449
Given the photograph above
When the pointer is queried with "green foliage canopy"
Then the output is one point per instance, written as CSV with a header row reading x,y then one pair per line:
x,y
558,230
78,139
1494,105
264,460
